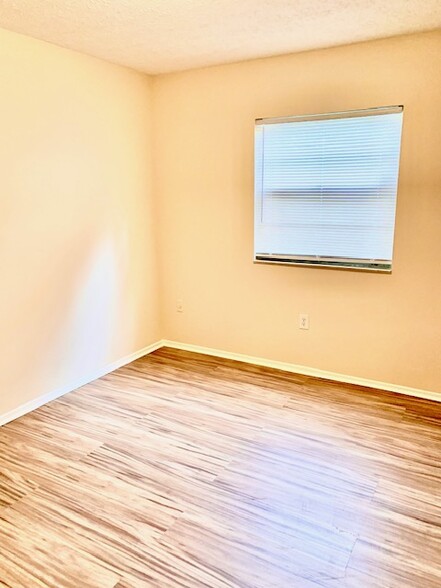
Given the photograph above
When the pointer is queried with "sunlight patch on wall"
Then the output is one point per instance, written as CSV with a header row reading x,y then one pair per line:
x,y
94,315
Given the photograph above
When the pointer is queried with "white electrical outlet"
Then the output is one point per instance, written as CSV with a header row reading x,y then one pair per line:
x,y
179,305
304,321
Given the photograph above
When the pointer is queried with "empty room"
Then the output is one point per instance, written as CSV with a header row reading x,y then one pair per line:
x,y
220,308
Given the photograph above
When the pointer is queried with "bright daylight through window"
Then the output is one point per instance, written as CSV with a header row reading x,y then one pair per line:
x,y
326,188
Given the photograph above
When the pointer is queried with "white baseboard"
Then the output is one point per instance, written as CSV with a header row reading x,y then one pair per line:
x,y
45,398
306,371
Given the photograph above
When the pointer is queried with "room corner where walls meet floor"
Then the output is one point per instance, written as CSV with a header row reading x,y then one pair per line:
x,y
258,361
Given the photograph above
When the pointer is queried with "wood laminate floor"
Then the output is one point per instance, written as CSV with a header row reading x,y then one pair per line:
x,y
186,471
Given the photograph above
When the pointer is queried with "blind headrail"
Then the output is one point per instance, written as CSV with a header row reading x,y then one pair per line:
x,y
332,115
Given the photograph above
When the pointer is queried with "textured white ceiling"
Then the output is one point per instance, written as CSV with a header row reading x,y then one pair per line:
x,y
157,36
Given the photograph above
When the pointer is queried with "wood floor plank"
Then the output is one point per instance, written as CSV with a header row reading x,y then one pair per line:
x,y
33,554
187,471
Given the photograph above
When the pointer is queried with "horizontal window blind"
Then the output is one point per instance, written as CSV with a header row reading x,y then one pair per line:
x,y
326,187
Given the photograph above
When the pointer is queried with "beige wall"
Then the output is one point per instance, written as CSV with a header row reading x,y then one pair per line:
x,y
77,260
382,327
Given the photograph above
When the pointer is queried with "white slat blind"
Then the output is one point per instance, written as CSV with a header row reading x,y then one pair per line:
x,y
326,187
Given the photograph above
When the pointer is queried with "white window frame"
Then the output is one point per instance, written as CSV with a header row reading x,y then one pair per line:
x,y
378,265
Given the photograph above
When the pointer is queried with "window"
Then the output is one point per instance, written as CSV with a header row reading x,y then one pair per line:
x,y
326,188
